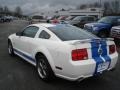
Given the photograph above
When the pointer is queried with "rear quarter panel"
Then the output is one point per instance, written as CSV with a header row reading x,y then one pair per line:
x,y
57,53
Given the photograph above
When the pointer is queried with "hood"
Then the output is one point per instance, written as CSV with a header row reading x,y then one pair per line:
x,y
116,27
99,25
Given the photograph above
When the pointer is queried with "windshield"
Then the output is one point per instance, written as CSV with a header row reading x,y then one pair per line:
x,y
68,32
109,20
78,18
70,17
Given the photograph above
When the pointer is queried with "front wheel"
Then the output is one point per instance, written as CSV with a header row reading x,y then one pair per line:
x,y
44,70
10,49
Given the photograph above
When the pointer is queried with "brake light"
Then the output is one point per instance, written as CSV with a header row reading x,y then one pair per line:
x,y
112,49
79,54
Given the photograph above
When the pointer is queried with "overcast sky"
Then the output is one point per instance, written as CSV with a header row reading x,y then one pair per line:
x,y
30,6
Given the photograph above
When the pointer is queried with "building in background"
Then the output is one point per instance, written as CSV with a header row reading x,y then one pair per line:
x,y
97,12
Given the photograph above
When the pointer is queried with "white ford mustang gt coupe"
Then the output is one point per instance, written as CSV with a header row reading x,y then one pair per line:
x,y
63,50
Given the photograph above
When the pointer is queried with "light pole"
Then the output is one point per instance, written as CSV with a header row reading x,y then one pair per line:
x,y
100,3
101,8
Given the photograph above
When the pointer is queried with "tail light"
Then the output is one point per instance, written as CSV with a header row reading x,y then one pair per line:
x,y
112,49
79,54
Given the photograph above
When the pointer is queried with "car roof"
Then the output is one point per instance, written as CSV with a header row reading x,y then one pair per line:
x,y
84,16
113,16
44,25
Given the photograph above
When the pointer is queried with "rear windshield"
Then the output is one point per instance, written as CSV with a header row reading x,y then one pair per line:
x,y
68,32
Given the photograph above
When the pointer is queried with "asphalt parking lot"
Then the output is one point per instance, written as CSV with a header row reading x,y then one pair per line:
x,y
16,74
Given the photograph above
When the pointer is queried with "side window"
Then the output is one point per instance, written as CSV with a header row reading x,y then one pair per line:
x,y
30,31
44,35
83,20
90,19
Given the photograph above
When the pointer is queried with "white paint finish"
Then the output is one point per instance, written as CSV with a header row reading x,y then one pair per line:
x,y
58,53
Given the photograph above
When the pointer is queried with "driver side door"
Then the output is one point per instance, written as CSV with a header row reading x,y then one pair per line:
x,y
22,43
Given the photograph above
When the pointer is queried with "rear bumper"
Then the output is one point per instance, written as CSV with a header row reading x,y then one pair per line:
x,y
78,70
81,70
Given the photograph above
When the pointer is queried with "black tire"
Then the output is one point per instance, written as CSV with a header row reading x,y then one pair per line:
x,y
10,48
44,69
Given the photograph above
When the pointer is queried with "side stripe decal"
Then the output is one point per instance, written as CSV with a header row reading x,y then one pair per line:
x,y
24,55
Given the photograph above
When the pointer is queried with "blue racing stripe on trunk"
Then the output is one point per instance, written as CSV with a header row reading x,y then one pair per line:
x,y
105,54
95,55
95,45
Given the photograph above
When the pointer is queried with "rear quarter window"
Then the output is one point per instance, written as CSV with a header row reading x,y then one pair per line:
x,y
44,35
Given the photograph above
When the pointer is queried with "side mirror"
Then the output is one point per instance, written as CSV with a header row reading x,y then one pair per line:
x,y
19,34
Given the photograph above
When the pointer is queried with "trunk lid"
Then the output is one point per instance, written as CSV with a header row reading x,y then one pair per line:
x,y
95,47
97,50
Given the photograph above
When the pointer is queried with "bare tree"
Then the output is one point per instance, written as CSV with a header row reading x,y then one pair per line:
x,y
110,7
83,6
1,9
6,10
107,8
115,6
18,11
96,5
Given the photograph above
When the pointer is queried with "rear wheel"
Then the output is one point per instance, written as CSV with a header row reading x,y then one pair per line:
x,y
43,67
10,48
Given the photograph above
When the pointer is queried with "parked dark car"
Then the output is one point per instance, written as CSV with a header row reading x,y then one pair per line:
x,y
1,19
5,19
115,33
69,18
103,26
79,21
50,20
60,19
36,19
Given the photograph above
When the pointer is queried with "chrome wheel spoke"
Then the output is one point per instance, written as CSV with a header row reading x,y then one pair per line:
x,y
10,49
42,69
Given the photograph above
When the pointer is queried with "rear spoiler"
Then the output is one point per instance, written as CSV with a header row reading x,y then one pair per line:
x,y
92,40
